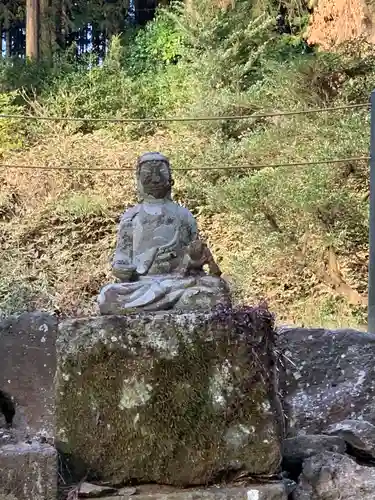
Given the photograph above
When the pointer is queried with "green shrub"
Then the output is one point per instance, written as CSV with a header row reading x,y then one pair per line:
x,y
34,77
11,130
159,44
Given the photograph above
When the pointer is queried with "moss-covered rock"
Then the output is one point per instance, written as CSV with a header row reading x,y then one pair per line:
x,y
168,398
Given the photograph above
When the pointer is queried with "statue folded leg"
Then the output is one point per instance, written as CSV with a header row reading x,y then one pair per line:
x,y
162,293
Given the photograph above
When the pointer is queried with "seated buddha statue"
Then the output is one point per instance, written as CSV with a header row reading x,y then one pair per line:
x,y
159,257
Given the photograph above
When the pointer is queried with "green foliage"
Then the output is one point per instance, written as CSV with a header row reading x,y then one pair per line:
x,y
94,91
157,45
287,201
11,130
81,205
35,77
230,43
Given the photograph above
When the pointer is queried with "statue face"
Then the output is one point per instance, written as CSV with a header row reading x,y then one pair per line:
x,y
154,179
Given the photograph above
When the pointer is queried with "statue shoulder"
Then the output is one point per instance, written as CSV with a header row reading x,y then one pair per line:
x,y
186,214
130,213
189,222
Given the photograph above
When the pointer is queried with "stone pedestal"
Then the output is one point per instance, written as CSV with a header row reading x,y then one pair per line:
x,y
168,398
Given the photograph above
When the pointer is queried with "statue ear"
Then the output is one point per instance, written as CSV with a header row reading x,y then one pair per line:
x,y
172,182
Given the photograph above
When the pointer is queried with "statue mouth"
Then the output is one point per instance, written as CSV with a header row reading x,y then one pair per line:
x,y
157,190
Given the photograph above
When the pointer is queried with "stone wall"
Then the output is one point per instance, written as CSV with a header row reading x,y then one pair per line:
x,y
28,471
183,399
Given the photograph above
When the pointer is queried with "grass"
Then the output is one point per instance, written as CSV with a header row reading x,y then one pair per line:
x,y
296,236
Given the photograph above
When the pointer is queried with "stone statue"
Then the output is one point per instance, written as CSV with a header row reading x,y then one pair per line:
x,y
159,257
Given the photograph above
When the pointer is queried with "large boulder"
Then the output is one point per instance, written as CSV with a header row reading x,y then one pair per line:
x,y
329,377
330,476
169,398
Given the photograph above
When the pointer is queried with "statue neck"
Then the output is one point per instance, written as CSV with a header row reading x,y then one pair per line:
x,y
150,199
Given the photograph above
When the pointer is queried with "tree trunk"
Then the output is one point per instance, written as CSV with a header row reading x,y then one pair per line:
x,y
96,41
8,42
59,13
45,16
32,29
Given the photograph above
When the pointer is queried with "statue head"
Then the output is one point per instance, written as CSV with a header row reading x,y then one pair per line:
x,y
154,176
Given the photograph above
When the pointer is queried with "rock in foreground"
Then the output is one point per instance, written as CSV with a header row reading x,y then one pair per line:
x,y
27,370
297,449
172,399
274,491
28,471
329,377
358,434
330,476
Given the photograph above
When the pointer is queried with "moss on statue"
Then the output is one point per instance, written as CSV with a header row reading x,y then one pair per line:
x,y
173,399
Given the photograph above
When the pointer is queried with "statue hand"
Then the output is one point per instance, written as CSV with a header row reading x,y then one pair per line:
x,y
124,272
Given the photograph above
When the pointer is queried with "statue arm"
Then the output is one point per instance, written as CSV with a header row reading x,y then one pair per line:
x,y
122,265
193,228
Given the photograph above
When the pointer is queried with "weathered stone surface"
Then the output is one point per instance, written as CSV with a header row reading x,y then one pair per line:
x,y
297,449
358,434
88,490
28,471
128,491
330,476
27,369
289,484
159,257
172,399
7,436
329,378
275,491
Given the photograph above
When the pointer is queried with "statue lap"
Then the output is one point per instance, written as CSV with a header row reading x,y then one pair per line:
x,y
160,293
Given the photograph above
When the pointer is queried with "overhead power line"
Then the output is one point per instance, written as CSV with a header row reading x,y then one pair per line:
x,y
246,167
182,119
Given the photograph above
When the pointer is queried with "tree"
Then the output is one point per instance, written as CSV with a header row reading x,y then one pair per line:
x,y
56,24
32,29
47,28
